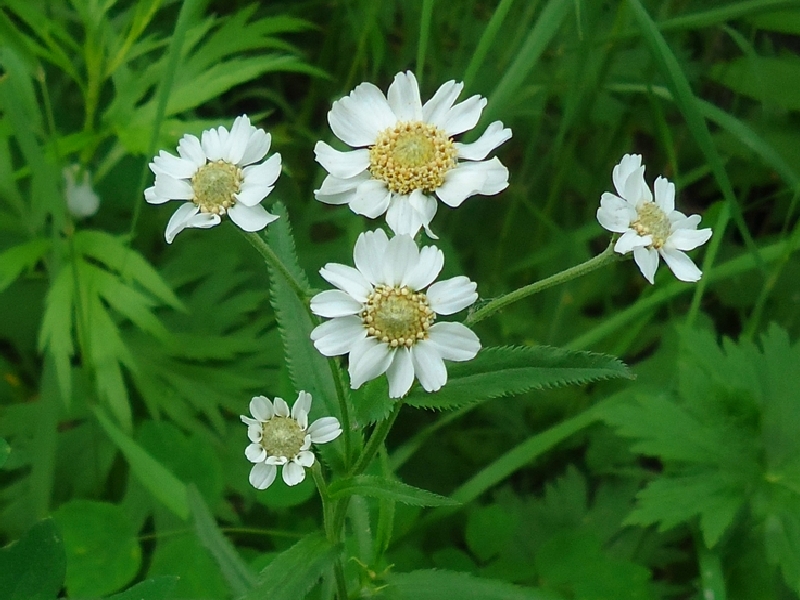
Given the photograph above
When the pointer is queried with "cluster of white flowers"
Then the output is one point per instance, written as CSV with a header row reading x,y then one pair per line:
x,y
383,312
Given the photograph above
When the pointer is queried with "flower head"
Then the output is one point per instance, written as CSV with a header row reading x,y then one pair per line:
x,y
82,201
650,228
217,176
406,154
383,319
279,437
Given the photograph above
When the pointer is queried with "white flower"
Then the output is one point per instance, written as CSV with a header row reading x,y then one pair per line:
x,y
217,175
279,437
407,154
386,324
82,201
650,228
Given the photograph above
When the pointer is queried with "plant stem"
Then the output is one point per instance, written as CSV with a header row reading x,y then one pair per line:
x,y
341,395
273,261
376,440
606,257
330,516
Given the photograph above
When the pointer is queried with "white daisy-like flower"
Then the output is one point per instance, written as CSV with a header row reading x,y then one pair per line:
x,y
217,175
381,317
279,437
406,154
650,228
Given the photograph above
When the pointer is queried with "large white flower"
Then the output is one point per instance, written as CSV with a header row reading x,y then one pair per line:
x,y
279,437
382,318
406,153
650,229
217,175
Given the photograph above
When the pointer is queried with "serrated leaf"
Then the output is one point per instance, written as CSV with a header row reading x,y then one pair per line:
x,y
20,257
371,402
33,567
295,571
387,489
435,585
507,371
158,588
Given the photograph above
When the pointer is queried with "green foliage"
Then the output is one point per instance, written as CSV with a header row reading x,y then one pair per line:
x,y
386,489
33,567
5,450
432,584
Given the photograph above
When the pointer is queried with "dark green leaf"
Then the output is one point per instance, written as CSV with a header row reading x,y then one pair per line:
x,y
33,567
151,589
435,585
507,371
387,489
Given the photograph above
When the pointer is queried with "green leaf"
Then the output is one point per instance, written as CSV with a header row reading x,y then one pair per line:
x,y
771,79
18,258
55,335
5,451
387,489
507,371
236,572
159,588
160,482
435,585
197,572
103,553
295,571
33,567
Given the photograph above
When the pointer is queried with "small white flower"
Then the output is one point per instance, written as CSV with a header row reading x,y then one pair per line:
x,y
82,201
217,175
380,316
650,229
279,437
406,153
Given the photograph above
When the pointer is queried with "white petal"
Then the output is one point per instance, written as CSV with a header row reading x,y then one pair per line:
x,y
171,165
335,303
237,140
261,408
647,261
630,240
678,220
341,164
152,197
636,189
400,260
293,473
175,189
454,341
626,166
358,118
324,430
681,265
463,116
250,218
400,373
452,295
425,206
189,148
687,239
665,194
254,432
428,366
249,421
262,475
338,336
255,453
212,144
300,409
304,458
281,408
368,360
403,97
347,279
370,199
487,178
276,460
257,147
258,180
401,217
188,215
429,265
494,135
332,186
368,254
615,214
435,109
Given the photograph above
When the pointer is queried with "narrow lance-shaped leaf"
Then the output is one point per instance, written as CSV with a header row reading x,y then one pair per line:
x,y
387,489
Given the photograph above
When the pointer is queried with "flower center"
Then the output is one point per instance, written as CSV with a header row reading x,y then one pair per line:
x,y
653,222
282,436
412,156
397,316
215,185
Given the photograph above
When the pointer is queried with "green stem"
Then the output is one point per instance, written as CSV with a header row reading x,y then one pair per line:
x,y
273,261
606,257
376,440
341,394
332,532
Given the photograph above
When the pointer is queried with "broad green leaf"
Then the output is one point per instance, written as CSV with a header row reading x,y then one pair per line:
x,y
387,489
33,567
160,482
159,588
295,571
103,553
236,572
435,585
5,450
507,371
197,572
18,258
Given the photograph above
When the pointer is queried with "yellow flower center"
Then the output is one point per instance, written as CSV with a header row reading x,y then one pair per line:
x,y
412,156
282,436
215,185
397,316
653,222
